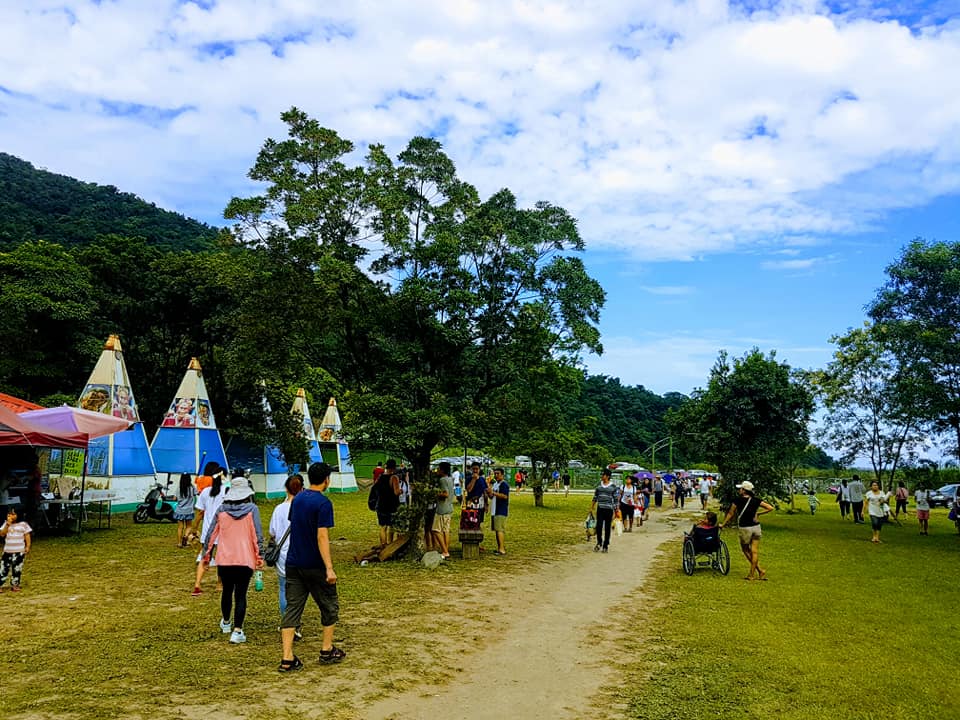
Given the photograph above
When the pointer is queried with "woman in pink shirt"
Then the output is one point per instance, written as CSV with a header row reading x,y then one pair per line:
x,y
238,536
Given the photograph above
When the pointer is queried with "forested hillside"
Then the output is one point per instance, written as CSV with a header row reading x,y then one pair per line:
x,y
80,261
40,205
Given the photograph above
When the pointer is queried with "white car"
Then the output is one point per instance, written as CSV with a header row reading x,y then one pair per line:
x,y
624,467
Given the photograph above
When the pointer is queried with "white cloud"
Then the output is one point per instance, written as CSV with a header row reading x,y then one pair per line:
x,y
670,130
682,362
668,289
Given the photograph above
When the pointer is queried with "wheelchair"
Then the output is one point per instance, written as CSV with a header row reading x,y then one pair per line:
x,y
703,547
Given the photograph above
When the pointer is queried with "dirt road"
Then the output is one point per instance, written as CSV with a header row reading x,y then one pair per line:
x,y
550,659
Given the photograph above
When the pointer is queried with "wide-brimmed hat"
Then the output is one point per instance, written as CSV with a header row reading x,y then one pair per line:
x,y
239,490
745,485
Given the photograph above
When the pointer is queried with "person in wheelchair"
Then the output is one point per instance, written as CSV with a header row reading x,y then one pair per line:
x,y
704,539
705,535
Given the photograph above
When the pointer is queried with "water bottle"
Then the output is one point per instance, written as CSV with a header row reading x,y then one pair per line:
x,y
258,580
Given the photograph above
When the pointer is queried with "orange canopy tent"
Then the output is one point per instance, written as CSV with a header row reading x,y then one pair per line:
x,y
16,404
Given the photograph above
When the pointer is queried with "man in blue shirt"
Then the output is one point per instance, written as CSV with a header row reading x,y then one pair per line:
x,y
499,492
310,569
476,490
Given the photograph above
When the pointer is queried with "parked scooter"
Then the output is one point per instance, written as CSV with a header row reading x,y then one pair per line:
x,y
156,506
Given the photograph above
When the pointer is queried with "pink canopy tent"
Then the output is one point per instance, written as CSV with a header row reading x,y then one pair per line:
x,y
15,429
73,422
59,427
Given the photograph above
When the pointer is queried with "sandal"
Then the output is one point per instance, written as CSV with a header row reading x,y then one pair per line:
x,y
333,655
290,665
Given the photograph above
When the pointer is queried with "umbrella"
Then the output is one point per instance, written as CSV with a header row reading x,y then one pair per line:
x,y
669,477
75,423
643,475
70,420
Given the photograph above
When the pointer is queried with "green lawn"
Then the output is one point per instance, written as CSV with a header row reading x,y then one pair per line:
x,y
843,628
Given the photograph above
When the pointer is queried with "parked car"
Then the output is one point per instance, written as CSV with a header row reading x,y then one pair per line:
x,y
624,467
833,489
945,496
576,464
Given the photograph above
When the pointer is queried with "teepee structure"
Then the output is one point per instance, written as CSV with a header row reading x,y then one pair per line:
x,y
122,461
187,438
333,442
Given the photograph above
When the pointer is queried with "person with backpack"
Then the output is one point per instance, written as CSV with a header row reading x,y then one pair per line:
x,y
388,500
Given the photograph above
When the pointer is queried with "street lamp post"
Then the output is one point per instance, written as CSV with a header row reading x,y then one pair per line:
x,y
658,445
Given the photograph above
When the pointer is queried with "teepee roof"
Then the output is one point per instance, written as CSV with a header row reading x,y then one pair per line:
x,y
108,391
188,438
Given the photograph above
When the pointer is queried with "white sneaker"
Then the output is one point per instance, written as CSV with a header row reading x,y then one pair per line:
x,y
237,637
225,626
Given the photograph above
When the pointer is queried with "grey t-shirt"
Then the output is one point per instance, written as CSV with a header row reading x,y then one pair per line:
x,y
445,505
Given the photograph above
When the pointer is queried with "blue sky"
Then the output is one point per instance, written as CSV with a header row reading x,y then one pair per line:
x,y
742,172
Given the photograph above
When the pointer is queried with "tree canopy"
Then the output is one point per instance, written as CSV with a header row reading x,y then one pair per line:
x,y
751,421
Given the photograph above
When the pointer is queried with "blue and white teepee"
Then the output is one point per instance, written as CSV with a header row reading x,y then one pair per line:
x,y
332,441
268,467
187,438
122,461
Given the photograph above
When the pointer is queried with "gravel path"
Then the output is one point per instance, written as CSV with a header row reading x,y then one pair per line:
x,y
551,659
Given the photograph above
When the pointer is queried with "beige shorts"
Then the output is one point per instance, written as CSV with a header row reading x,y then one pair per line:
x,y
441,523
499,523
747,534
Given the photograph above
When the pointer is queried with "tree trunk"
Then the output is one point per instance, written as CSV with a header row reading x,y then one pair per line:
x,y
536,484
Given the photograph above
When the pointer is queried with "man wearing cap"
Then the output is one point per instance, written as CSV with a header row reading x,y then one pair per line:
x,y
310,568
746,507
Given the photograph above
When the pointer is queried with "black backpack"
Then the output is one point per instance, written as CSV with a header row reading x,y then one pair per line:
x,y
374,496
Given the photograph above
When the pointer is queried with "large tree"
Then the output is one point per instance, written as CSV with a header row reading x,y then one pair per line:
x,y
872,400
750,421
433,300
918,312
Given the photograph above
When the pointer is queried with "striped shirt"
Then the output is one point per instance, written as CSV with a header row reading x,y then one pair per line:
x,y
15,542
606,496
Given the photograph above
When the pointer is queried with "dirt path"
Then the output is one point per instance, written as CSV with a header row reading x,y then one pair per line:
x,y
551,659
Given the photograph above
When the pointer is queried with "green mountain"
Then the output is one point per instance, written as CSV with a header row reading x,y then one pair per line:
x,y
36,204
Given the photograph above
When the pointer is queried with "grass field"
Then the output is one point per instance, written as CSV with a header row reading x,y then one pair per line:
x,y
843,628
106,626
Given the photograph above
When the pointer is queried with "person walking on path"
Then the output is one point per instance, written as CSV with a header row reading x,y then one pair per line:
x,y
856,499
922,498
679,492
310,570
876,498
658,491
183,512
901,496
746,506
208,503
238,535
279,524
704,491
628,503
843,499
603,506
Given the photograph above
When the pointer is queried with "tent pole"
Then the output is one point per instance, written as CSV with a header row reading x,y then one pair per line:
x,y
83,487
